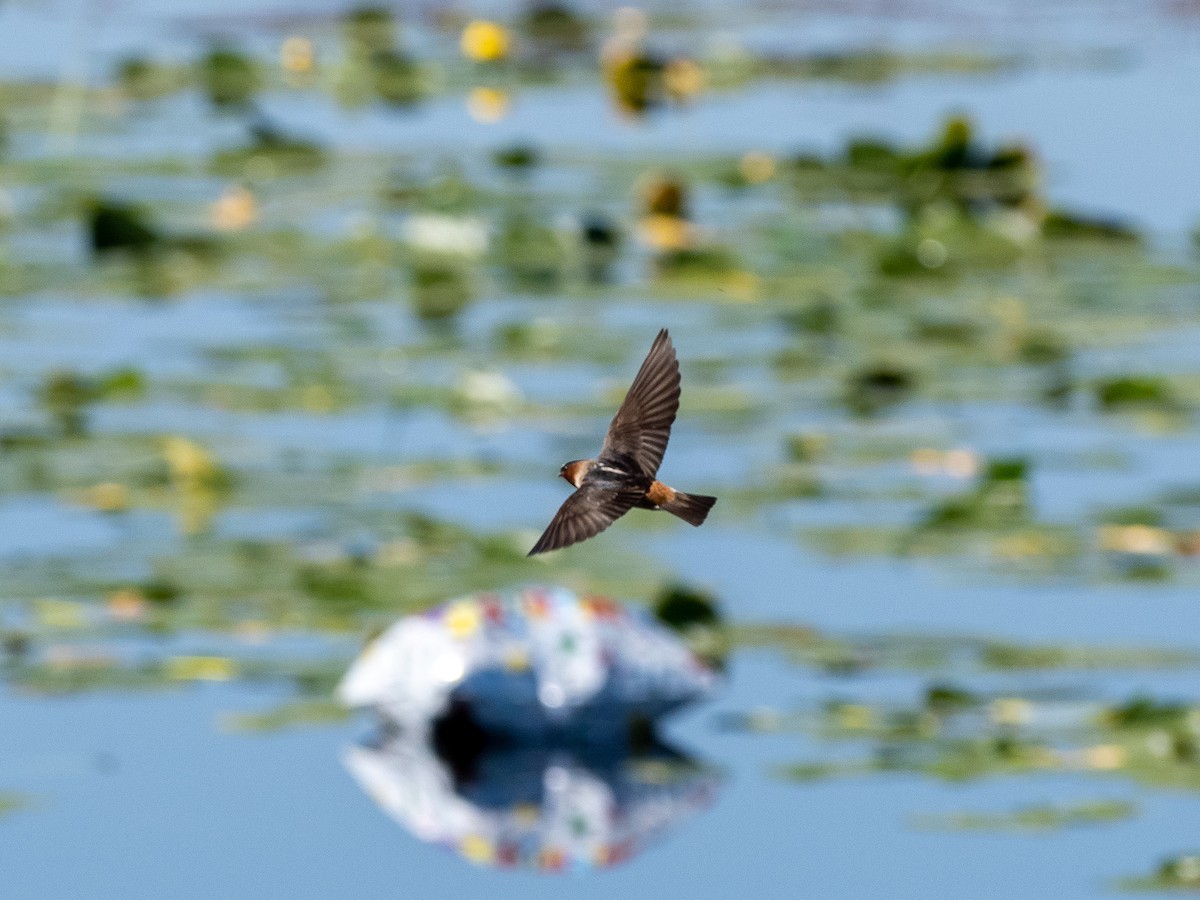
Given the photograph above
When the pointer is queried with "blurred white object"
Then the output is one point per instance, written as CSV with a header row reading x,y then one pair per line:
x,y
537,663
435,233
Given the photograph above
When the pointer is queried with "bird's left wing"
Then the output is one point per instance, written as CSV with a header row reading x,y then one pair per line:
x,y
585,514
642,426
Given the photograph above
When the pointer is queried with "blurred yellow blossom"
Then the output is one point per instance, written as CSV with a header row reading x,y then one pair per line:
x,y
189,462
1105,757
757,167
108,496
197,507
664,233
742,285
1143,540
1010,711
484,41
235,209
296,55
317,398
400,552
959,463
855,716
201,668
126,605
477,849
252,631
683,79
487,104
60,615
630,22
462,618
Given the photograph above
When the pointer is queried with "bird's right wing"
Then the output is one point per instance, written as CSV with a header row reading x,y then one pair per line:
x,y
642,426
585,514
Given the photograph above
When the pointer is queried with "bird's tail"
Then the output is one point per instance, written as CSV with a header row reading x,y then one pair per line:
x,y
692,508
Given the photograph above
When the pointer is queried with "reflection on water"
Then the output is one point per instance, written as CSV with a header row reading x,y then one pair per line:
x,y
537,807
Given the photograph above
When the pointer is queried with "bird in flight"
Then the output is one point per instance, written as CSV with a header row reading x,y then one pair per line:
x,y
623,475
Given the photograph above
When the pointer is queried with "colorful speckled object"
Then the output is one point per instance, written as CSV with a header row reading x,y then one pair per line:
x,y
534,663
544,809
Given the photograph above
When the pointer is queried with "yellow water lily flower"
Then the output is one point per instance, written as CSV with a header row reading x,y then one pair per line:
x,y
484,41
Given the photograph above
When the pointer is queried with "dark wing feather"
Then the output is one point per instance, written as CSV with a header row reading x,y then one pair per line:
x,y
642,426
585,514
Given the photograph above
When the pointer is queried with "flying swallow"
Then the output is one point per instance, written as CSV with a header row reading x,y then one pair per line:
x,y
623,475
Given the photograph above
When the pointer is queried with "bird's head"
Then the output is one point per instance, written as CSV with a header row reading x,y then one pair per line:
x,y
573,471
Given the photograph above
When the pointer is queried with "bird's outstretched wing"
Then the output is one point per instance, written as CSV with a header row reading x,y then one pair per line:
x,y
585,514
642,426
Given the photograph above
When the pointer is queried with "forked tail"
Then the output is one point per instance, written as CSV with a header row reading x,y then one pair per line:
x,y
692,508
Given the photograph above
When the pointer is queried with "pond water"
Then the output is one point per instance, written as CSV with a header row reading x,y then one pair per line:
x,y
962,623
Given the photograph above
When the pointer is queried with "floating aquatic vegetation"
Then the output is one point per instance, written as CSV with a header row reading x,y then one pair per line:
x,y
695,614
1044,347
1009,735
15,646
397,78
216,583
441,287
160,591
1136,392
699,262
954,172
873,389
1175,873
635,79
1000,499
1035,817
530,253
142,79
71,669
517,157
1141,551
338,589
66,397
1031,550
1062,225
448,191
600,240
553,29
369,29
664,194
805,645
270,153
293,714
876,65
807,447
905,259
820,315
682,607
159,263
229,77
1007,657
115,227
10,803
